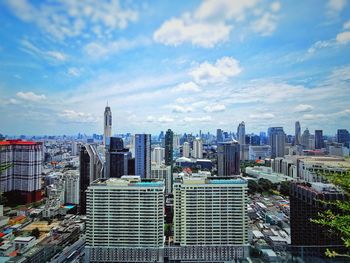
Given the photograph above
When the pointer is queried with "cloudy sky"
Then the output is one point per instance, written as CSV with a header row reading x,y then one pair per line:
x,y
185,65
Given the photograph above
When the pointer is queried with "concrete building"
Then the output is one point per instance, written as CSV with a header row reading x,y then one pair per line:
x,y
186,150
319,143
71,179
211,213
228,158
21,181
143,155
277,139
107,128
197,151
163,173
259,152
132,230
241,133
158,154
297,133
343,136
169,147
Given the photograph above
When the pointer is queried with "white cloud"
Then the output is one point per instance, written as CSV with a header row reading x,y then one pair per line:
x,y
215,108
262,116
343,38
187,87
266,24
71,18
198,119
179,30
51,55
303,108
98,50
223,68
212,22
313,116
181,108
150,118
165,119
76,116
30,96
335,6
74,72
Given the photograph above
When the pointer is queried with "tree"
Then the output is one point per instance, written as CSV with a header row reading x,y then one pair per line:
x,y
36,233
284,188
339,221
253,187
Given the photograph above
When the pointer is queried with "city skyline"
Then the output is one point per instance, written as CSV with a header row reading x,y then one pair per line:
x,y
185,68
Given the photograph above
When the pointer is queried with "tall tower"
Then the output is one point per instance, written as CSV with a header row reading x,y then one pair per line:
x,y
169,147
241,133
198,148
107,124
277,139
297,133
228,158
143,155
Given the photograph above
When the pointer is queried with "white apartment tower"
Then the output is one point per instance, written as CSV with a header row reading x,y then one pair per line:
x,y
186,150
211,213
71,182
157,155
125,220
107,124
197,148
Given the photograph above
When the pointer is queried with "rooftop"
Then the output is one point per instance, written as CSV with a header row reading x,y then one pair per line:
x,y
17,142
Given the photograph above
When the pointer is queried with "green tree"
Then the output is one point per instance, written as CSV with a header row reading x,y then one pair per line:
x,y
36,233
284,188
253,187
338,221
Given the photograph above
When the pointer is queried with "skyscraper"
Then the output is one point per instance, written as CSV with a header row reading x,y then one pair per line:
x,y
186,149
277,139
319,139
158,155
125,220
143,155
228,158
297,133
343,137
117,158
107,124
197,148
21,182
211,213
241,133
219,137
308,238
169,137
305,138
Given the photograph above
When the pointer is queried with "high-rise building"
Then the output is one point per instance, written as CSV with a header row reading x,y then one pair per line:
x,y
169,137
176,141
143,155
117,158
277,139
21,181
71,187
211,213
343,137
125,220
306,202
241,133
219,136
163,173
91,168
186,150
107,124
228,158
319,139
158,154
305,139
297,133
197,148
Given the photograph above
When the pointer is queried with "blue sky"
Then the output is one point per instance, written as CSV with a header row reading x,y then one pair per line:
x,y
185,65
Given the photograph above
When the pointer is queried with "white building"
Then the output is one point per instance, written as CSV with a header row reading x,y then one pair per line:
x,y
197,151
186,150
125,220
157,155
71,179
163,172
259,152
211,213
176,141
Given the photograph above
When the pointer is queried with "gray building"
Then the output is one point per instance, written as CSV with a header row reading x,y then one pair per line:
x,y
143,155
277,139
228,158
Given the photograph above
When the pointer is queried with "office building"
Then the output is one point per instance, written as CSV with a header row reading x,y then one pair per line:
x,y
305,139
219,136
143,155
125,220
71,186
209,214
277,139
241,133
162,173
319,139
343,137
186,150
309,239
228,158
107,120
297,133
91,168
169,139
260,152
197,151
117,158
158,154
21,181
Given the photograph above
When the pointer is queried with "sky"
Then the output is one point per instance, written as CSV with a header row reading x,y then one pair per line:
x,y
184,65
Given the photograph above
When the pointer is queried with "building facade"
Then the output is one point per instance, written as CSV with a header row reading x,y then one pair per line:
x,y
197,148
277,139
107,128
143,155
228,158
